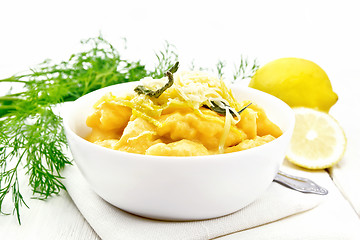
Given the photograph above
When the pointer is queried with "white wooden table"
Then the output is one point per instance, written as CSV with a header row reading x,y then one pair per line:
x,y
325,32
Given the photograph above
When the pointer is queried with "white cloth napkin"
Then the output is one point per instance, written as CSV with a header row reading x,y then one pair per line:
x,y
112,223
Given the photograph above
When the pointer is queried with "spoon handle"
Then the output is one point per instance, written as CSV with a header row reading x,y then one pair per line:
x,y
299,184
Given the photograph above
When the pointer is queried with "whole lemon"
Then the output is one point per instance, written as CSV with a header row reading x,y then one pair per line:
x,y
298,82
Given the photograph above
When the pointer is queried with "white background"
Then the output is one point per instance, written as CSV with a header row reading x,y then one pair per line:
x,y
326,32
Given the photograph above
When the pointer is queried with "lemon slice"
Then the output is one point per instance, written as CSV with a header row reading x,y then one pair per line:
x,y
318,140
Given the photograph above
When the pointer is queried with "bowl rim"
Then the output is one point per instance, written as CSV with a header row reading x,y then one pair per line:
x,y
68,131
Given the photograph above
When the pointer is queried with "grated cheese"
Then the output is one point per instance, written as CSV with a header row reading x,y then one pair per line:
x,y
225,134
193,89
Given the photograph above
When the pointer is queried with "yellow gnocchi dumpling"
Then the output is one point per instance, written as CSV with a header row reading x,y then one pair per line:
x,y
206,129
109,116
180,148
138,136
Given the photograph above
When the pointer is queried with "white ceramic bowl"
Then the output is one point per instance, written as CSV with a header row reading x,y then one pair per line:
x,y
178,188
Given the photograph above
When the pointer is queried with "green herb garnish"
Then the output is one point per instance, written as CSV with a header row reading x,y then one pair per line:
x,y
221,108
140,89
244,108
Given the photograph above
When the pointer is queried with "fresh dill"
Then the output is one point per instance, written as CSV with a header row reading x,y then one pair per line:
x,y
165,59
245,69
220,65
31,134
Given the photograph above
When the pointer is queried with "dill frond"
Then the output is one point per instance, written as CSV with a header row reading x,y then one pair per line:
x,y
245,69
32,135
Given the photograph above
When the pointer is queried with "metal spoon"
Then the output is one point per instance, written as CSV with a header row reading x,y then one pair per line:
x,y
299,184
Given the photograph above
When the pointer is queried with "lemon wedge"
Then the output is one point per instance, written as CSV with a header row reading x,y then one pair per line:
x,y
318,140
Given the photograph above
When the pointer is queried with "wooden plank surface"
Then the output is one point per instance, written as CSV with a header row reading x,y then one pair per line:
x,y
56,218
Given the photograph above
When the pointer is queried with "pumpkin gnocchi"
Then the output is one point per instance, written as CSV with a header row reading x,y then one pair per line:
x,y
196,115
